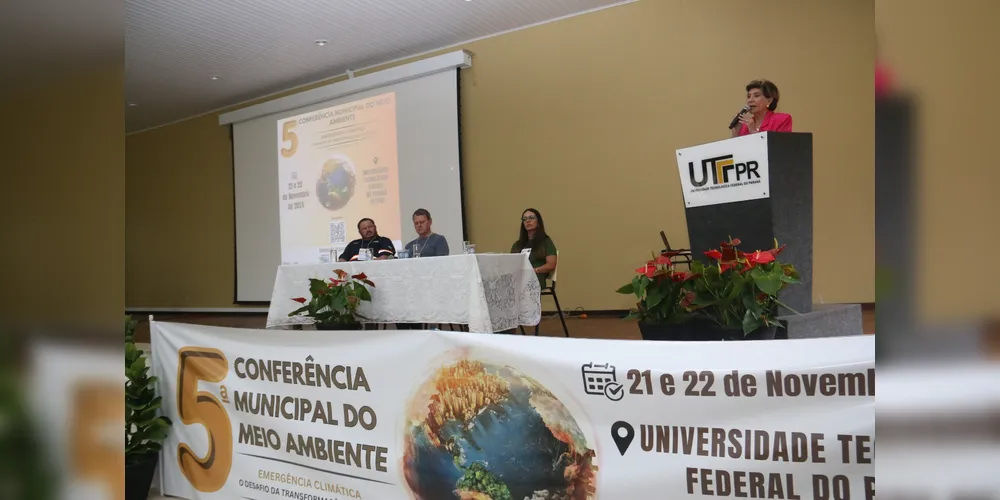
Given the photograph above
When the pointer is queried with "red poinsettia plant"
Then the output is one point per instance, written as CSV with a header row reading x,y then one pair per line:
x,y
739,290
334,303
663,293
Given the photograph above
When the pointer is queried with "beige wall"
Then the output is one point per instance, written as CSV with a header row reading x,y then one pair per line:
x,y
179,245
63,203
579,119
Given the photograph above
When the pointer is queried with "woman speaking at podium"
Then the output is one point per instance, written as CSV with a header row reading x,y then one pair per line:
x,y
758,115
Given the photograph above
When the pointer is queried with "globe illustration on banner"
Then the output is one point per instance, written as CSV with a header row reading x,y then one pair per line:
x,y
479,431
336,182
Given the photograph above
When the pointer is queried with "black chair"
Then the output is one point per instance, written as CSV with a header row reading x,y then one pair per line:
x,y
683,254
549,288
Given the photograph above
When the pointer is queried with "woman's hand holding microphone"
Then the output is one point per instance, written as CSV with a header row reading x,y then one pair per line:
x,y
751,123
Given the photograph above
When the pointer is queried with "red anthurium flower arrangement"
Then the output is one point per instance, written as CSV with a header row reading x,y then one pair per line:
x,y
738,290
734,290
335,302
660,290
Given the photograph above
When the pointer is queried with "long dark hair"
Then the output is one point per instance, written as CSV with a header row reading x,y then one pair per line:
x,y
537,244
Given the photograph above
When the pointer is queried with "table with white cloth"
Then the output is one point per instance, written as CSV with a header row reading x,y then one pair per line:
x,y
487,292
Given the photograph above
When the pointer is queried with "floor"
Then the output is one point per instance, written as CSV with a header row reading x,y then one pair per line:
x,y
603,327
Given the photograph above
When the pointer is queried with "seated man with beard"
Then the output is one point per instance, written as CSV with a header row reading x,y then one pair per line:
x,y
380,246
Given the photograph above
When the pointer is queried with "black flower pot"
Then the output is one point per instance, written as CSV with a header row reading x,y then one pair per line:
x,y
339,326
700,330
669,331
711,331
139,476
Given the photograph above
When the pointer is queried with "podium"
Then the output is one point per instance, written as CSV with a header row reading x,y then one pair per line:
x,y
756,188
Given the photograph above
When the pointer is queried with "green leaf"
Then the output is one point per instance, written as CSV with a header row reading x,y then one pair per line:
x,y
654,296
338,304
703,299
768,283
641,286
634,315
626,289
138,366
738,287
749,301
364,294
711,273
750,322
789,279
317,286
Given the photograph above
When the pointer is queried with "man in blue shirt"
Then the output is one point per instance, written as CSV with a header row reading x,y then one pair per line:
x,y
431,243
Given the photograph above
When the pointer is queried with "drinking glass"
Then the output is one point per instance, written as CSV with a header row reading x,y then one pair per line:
x,y
470,248
416,250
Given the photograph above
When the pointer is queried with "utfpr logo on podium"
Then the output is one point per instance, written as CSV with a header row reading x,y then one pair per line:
x,y
723,170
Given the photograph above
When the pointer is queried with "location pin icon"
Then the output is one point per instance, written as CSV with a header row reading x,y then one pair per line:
x,y
623,433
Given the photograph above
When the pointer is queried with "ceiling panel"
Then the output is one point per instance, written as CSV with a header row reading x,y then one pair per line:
x,y
257,47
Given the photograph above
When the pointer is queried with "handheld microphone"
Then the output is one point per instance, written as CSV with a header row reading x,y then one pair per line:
x,y
736,119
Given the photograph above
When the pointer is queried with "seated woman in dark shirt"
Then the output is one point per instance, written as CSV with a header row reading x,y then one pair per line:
x,y
542,249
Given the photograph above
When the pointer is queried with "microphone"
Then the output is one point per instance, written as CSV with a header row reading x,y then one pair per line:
x,y
736,119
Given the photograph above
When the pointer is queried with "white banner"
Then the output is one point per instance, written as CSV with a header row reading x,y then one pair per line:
x,y
382,415
724,171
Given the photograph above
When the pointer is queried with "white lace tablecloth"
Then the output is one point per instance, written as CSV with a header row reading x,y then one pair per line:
x,y
488,292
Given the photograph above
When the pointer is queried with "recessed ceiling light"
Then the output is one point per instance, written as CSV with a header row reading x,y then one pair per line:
x,y
321,43
132,104
213,77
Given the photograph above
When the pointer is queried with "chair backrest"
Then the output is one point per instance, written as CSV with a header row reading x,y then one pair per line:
x,y
556,270
683,255
666,243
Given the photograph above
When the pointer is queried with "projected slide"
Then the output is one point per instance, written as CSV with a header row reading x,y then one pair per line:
x,y
336,166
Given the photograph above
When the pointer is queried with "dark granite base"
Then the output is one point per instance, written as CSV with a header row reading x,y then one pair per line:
x,y
825,320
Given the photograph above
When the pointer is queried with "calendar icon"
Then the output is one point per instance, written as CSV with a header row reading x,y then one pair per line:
x,y
596,377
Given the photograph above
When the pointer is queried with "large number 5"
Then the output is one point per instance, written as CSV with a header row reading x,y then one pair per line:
x,y
288,136
208,473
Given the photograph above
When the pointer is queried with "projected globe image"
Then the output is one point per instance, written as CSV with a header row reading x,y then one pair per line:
x,y
478,431
336,182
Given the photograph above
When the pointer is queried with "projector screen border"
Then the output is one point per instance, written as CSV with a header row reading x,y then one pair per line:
x,y
461,160
459,59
